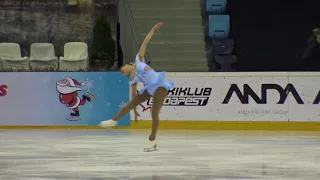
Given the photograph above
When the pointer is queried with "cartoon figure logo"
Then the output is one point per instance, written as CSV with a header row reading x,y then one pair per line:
x,y
68,94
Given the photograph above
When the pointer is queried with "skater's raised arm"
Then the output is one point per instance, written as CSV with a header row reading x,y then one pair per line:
x,y
143,46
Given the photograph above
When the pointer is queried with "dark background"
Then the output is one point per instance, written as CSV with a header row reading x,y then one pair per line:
x,y
270,35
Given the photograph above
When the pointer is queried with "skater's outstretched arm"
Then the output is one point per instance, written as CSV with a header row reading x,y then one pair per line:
x,y
146,41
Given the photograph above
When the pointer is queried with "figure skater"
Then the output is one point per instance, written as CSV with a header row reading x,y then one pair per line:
x,y
154,86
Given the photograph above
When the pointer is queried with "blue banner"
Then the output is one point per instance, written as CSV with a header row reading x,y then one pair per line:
x,y
62,98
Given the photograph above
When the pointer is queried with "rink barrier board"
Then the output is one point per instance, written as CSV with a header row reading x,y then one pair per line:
x,y
303,125
192,125
49,98
240,96
230,125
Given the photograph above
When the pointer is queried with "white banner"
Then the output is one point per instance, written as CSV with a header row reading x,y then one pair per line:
x,y
239,97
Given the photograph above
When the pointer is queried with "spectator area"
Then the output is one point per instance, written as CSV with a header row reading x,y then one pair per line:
x,y
42,57
220,36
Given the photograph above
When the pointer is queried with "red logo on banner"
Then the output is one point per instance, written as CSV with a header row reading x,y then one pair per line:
x,y
3,90
144,108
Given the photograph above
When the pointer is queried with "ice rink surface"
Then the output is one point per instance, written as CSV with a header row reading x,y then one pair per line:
x,y
182,155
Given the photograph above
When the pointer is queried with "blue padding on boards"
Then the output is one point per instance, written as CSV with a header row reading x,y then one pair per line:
x,y
216,6
219,26
62,98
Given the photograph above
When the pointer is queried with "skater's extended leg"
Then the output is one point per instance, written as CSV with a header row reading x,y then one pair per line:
x,y
135,101
158,99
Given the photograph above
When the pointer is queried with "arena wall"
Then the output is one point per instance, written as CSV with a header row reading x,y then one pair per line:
x,y
206,101
239,101
46,100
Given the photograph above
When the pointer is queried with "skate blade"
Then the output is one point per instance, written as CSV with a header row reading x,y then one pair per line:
x,y
150,149
106,127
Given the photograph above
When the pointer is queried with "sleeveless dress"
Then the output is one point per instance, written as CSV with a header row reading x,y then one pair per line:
x,y
150,78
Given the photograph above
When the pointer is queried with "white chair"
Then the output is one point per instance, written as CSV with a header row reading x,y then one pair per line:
x,y
42,57
75,57
10,56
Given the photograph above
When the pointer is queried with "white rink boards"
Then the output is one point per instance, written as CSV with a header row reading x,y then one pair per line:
x,y
253,97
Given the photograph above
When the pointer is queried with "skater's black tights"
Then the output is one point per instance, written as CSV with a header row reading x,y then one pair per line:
x,y
158,99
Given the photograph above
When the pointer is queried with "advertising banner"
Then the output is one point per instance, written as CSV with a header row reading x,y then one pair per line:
x,y
62,98
239,98
305,104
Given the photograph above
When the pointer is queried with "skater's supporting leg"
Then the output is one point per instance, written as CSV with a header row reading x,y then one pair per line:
x,y
135,101
158,99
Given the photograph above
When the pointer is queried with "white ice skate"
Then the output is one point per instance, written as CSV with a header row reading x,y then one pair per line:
x,y
151,146
108,123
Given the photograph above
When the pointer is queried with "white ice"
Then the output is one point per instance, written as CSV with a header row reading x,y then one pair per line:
x,y
181,155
